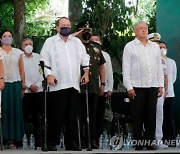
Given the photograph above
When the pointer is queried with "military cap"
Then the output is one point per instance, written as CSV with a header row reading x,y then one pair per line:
x,y
85,25
154,37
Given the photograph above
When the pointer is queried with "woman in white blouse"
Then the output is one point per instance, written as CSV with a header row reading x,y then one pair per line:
x,y
12,120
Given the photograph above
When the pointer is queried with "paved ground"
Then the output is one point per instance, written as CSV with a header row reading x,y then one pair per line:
x,y
20,151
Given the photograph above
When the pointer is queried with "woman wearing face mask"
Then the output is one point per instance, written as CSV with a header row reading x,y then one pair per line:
x,y
12,120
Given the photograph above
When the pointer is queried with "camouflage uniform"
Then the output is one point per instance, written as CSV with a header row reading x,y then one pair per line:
x,y
96,59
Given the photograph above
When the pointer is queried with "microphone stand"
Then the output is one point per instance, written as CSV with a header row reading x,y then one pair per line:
x,y
87,114
45,89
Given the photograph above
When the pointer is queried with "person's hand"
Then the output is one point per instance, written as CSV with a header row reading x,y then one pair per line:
x,y
108,94
33,88
165,94
22,91
85,79
77,33
2,84
131,93
51,80
160,91
101,90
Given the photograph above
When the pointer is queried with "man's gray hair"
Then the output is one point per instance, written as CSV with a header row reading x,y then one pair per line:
x,y
28,39
137,23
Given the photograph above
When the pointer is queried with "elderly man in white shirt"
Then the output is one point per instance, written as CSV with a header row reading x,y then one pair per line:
x,y
107,89
33,96
168,122
143,79
64,54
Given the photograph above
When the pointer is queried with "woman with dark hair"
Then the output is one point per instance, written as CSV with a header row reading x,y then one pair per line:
x,y
12,119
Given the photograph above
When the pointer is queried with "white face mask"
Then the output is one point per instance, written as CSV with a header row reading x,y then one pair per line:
x,y
163,51
28,49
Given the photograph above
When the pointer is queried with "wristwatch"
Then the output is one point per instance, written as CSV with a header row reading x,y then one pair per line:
x,y
103,83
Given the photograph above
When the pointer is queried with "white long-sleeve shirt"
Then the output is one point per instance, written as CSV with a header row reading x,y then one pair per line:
x,y
172,74
142,65
109,73
65,59
32,73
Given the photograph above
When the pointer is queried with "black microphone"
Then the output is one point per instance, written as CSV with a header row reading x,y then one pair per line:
x,y
41,64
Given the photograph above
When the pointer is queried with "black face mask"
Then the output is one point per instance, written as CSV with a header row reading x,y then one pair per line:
x,y
86,36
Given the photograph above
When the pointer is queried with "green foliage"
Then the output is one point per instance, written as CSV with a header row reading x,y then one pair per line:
x,y
6,15
147,12
37,23
37,19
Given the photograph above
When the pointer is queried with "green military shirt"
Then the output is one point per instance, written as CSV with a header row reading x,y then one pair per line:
x,y
96,59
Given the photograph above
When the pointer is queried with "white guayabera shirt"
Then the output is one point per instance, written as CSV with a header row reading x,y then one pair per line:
x,y
109,73
32,73
64,59
142,65
172,74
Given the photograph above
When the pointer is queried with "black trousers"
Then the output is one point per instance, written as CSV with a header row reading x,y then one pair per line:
x,y
92,98
143,110
168,122
62,110
100,121
33,111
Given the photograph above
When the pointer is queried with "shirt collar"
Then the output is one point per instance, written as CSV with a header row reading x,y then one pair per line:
x,y
25,55
59,38
138,42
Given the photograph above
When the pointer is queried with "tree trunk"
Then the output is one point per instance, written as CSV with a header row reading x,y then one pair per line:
x,y
75,10
19,21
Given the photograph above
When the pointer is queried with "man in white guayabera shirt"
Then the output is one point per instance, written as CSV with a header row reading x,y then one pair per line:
x,y
143,79
168,121
33,100
64,54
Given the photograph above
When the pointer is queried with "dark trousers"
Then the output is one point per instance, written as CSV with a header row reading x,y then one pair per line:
x,y
100,121
92,98
143,110
33,111
62,110
168,123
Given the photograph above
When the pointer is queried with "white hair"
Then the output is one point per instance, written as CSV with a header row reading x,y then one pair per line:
x,y
139,22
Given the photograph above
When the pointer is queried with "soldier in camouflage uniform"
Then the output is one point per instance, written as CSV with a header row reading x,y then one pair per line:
x,y
96,73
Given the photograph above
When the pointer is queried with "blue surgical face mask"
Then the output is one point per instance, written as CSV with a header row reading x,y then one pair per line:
x,y
6,40
65,31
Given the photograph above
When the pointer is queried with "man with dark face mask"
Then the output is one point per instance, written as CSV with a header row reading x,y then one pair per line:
x,y
64,54
96,70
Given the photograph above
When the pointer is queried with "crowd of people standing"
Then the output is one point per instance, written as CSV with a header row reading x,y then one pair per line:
x,y
76,64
